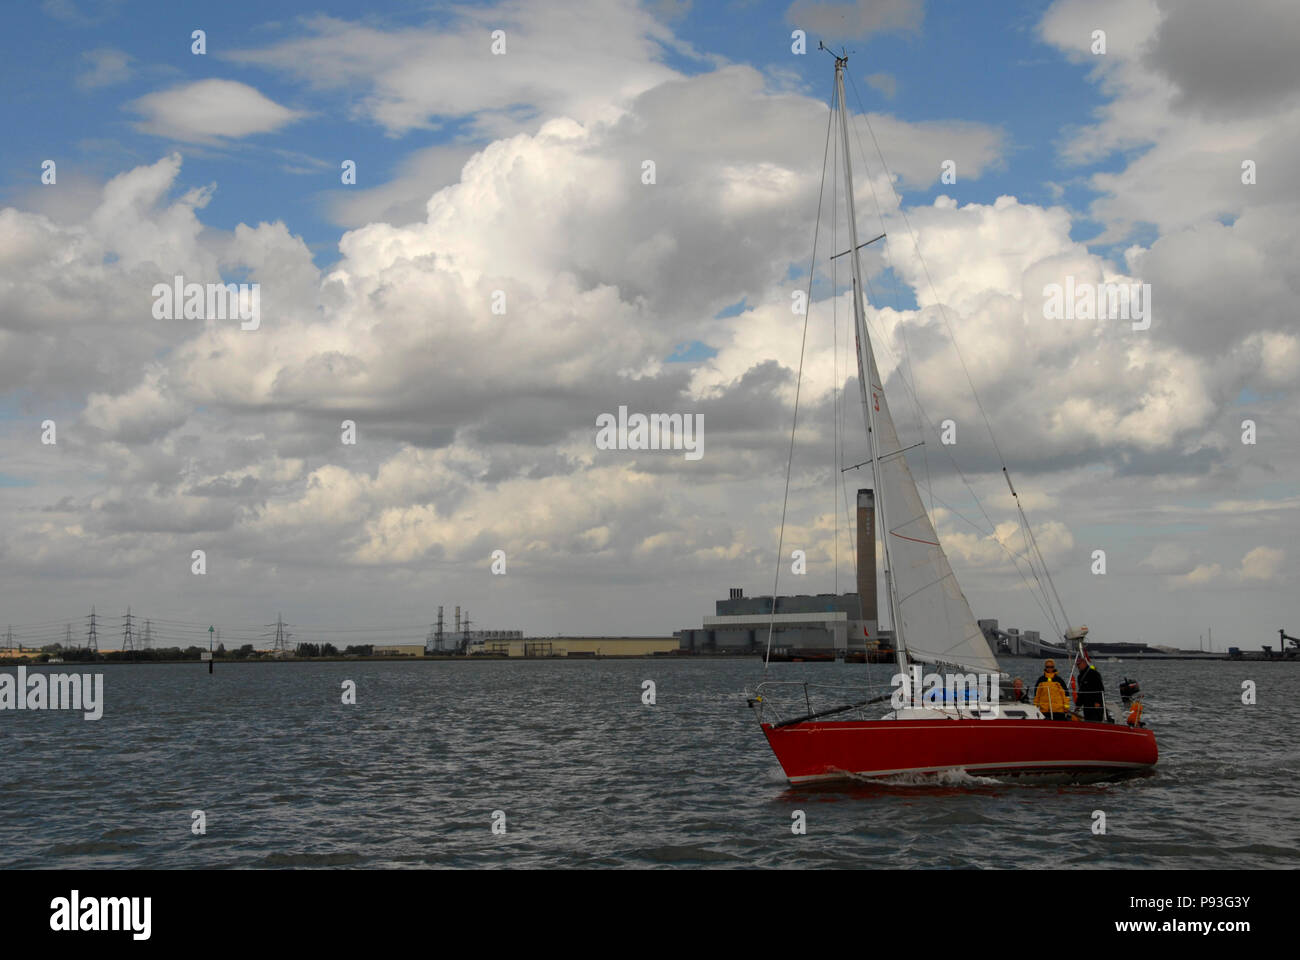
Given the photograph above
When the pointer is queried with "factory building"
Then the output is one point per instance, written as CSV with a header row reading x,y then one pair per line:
x,y
824,626
580,647
1016,643
399,650
480,640
513,643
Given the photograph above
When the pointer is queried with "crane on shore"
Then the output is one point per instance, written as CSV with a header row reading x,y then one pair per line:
x,y
1284,638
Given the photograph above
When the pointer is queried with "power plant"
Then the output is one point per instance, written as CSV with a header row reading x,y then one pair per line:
x,y
824,626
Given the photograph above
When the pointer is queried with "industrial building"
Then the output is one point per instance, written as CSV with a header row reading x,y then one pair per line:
x,y
1016,643
462,639
399,650
824,626
513,643
581,647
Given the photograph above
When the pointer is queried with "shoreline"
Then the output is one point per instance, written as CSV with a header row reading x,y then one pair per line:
x,y
1245,657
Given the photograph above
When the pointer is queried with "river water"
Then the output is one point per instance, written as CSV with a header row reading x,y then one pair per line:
x,y
581,773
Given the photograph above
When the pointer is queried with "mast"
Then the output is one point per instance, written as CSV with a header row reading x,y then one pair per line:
x,y
865,364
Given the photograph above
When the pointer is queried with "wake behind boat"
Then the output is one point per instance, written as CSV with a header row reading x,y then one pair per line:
x,y
971,725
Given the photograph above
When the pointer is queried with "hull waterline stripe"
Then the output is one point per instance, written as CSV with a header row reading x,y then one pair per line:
x,y
1045,766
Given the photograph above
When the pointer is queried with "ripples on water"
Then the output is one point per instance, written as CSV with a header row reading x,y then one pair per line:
x,y
589,777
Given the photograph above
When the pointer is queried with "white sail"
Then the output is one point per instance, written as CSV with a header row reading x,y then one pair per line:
x,y
931,614
938,626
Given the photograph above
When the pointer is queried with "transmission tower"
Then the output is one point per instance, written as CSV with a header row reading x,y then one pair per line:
x,y
281,645
128,640
67,639
9,637
92,638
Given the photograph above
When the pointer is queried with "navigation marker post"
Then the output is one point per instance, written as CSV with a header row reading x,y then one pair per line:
x,y
209,656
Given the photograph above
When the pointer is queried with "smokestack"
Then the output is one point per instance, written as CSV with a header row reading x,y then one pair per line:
x,y
867,554
458,619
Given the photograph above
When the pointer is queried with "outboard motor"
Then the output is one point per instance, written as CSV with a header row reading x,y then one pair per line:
x,y
1128,690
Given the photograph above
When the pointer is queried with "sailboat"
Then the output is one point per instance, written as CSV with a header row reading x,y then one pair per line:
x,y
923,732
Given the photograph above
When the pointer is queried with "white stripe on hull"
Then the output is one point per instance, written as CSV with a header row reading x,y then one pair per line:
x,y
1040,766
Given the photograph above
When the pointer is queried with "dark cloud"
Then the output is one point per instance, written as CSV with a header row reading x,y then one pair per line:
x,y
1229,59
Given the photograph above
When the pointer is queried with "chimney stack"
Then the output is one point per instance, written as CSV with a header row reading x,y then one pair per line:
x,y
867,554
458,619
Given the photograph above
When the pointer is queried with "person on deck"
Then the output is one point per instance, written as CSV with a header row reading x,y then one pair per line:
x,y
1050,694
1090,690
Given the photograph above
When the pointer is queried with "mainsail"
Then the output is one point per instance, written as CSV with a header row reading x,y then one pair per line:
x,y
937,623
931,614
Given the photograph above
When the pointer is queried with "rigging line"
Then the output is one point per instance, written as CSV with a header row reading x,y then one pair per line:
x,y
1015,557
1030,540
1024,536
1042,562
794,424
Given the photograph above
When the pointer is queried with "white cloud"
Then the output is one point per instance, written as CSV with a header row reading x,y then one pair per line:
x,y
885,83
562,59
104,67
209,111
475,428
1262,563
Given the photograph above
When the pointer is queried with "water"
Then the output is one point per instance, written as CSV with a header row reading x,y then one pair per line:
x,y
588,776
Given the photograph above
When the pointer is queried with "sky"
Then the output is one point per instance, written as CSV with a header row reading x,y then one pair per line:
x,y
499,273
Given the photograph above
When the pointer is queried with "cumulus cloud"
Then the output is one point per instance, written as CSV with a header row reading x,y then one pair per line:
x,y
1260,565
475,426
570,60
1225,63
208,111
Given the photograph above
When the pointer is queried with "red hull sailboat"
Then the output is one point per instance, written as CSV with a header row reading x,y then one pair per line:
x,y
832,750
986,734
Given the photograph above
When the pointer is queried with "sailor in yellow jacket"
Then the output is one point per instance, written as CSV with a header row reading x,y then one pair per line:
x,y
1050,694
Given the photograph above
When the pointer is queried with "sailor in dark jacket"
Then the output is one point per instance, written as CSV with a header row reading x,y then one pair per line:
x,y
1090,690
